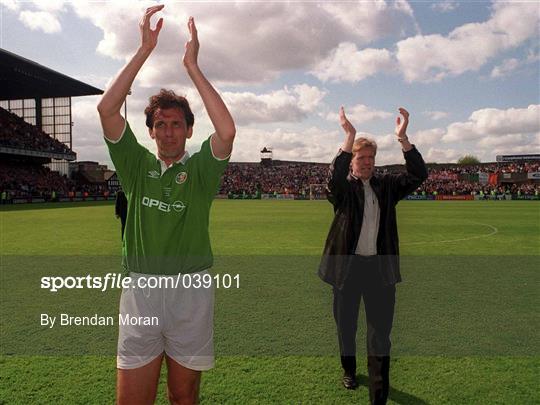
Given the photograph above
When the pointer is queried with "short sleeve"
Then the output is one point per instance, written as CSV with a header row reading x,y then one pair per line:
x,y
126,154
210,168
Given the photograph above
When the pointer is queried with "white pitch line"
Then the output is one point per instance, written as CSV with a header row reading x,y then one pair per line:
x,y
494,231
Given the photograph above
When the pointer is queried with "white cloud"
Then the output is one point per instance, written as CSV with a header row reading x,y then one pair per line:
x,y
386,142
40,20
309,97
436,115
393,157
470,46
427,137
509,144
436,155
227,55
485,134
445,6
311,144
320,145
359,114
493,122
369,20
9,4
510,140
266,39
269,39
87,135
509,150
347,63
285,105
507,66
49,5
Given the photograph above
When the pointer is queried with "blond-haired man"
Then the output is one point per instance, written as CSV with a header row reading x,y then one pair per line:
x,y
360,257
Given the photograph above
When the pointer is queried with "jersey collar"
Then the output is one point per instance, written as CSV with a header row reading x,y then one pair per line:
x,y
182,160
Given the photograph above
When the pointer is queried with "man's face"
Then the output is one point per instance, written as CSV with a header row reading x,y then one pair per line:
x,y
363,163
170,132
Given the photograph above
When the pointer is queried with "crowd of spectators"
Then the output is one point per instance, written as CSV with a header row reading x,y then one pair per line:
x,y
460,187
253,179
288,178
285,178
292,178
16,133
302,178
446,180
37,181
507,167
23,180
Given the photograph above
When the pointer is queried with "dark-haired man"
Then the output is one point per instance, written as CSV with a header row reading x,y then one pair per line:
x,y
360,257
167,227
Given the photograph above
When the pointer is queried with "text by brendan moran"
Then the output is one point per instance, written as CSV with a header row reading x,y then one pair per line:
x,y
97,320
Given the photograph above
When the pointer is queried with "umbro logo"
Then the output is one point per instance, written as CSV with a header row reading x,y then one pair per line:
x,y
153,174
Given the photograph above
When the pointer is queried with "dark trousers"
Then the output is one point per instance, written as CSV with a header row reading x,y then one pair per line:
x,y
123,221
364,281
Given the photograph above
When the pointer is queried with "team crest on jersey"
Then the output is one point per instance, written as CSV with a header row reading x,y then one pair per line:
x,y
181,177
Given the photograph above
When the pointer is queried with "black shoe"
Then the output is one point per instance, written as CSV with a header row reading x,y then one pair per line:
x,y
349,381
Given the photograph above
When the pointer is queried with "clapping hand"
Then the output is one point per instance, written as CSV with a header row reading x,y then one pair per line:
x,y
149,36
401,126
192,46
345,123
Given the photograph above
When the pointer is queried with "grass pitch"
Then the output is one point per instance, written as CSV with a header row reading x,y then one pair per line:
x,y
466,314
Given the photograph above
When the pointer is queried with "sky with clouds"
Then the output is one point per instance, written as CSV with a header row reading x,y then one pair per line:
x,y
468,72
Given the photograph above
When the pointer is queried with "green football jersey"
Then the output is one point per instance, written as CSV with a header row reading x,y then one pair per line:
x,y
168,211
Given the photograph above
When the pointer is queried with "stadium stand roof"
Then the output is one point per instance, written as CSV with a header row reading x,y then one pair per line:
x,y
21,78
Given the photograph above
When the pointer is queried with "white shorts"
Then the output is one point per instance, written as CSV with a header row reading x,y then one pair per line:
x,y
177,321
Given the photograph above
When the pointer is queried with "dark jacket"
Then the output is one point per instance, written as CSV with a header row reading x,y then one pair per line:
x,y
120,206
120,209
347,196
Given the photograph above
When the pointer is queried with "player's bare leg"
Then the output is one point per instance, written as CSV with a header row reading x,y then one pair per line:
x,y
139,385
182,383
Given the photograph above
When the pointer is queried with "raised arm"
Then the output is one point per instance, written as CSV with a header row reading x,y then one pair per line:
x,y
350,131
401,129
223,123
115,95
339,168
417,172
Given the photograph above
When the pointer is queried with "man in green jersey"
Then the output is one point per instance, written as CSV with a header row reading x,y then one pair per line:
x,y
167,227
